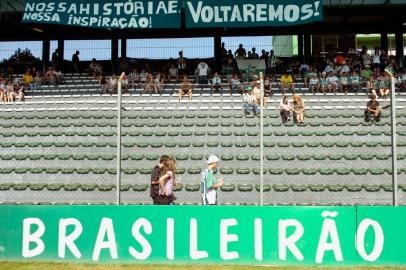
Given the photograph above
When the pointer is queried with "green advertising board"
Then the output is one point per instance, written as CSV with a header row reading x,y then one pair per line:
x,y
340,236
122,14
224,13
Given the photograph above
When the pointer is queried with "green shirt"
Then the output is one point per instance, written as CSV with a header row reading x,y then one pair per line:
x,y
208,178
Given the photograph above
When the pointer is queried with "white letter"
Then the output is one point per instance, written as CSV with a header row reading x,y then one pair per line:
x,y
195,13
379,240
68,241
329,228
146,247
258,239
225,238
290,242
170,246
195,254
106,226
291,13
35,237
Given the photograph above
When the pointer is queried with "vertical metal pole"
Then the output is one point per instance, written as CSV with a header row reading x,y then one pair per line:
x,y
118,183
394,146
261,138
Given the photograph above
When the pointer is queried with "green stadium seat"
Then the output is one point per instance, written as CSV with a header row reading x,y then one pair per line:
x,y
240,144
192,187
170,144
68,170
245,187
353,188
273,157
184,144
226,133
372,188
156,144
359,171
343,171
312,144
298,144
357,144
228,188
269,144
81,170
186,133
160,133
321,133
173,133
21,170
402,187
194,170
213,124
255,157
37,186
316,188
152,156
266,187
253,133
335,188
176,124
279,133
351,157
309,171
227,157
226,170
253,144
71,187
243,171
276,171
242,157
366,157
147,133
88,187
196,157
182,157
280,187
190,116
178,187
335,157
292,171
226,124
327,144
298,188
202,116
239,133
200,133
6,170
343,144
320,157
382,156
307,133
128,171
198,144
334,133
140,187
180,170
212,144
387,187
326,171
375,171
288,157
6,186
283,144
54,187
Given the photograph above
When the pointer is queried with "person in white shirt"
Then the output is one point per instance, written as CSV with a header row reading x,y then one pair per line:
x,y
173,73
202,71
344,83
216,82
329,68
113,83
376,61
332,82
134,78
284,109
236,84
314,83
250,102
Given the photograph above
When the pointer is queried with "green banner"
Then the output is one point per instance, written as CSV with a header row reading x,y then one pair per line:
x,y
122,14
340,236
224,13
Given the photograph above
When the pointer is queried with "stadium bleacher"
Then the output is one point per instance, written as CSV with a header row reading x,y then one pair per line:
x,y
59,147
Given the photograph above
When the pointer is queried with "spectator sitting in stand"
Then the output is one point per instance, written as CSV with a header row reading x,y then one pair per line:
x,y
228,70
329,68
287,83
104,85
150,84
343,84
50,77
314,83
113,83
298,109
383,86
95,69
216,82
134,79
143,77
323,82
354,82
402,80
373,111
16,91
284,109
250,102
332,82
254,54
173,73
124,83
28,79
236,85
2,89
159,82
185,88
372,84
267,90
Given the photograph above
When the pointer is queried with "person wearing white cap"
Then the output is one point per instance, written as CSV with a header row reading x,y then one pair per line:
x,y
209,184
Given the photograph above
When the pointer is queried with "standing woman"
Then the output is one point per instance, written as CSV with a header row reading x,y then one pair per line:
x,y
166,182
